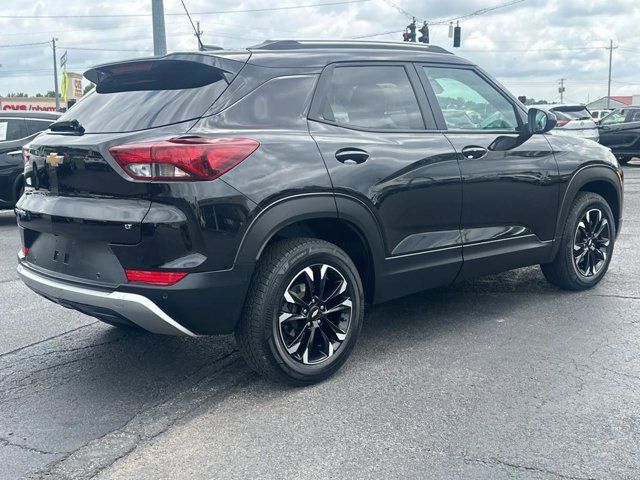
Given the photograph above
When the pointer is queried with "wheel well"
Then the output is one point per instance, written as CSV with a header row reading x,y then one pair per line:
x,y
608,192
340,233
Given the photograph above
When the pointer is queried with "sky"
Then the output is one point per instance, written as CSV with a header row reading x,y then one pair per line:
x,y
529,45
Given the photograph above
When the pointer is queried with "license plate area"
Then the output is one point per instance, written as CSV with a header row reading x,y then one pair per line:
x,y
89,260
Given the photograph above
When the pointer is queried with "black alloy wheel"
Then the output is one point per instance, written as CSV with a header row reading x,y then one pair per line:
x,y
315,315
585,248
591,243
304,311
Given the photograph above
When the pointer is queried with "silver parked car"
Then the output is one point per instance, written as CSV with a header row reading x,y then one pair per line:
x,y
574,120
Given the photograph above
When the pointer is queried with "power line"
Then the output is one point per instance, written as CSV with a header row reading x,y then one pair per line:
x,y
25,44
475,13
524,50
106,49
195,30
219,12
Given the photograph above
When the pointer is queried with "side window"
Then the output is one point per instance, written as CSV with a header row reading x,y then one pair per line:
x,y
11,129
617,116
468,102
634,115
281,102
35,126
372,97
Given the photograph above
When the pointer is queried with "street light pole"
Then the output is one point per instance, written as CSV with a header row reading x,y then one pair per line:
x,y
610,64
55,74
159,35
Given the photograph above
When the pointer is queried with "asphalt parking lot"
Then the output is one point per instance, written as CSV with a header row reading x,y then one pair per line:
x,y
501,377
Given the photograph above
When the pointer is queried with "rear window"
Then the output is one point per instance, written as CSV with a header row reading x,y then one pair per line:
x,y
127,98
572,113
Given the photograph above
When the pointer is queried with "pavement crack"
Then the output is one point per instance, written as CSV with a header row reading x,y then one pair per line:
x,y
47,339
151,421
7,443
628,297
496,461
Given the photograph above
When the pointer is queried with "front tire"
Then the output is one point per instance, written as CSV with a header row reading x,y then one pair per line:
x,y
303,313
586,245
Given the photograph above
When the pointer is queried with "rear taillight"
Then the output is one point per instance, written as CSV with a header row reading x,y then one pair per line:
x,y
180,159
561,123
23,252
154,278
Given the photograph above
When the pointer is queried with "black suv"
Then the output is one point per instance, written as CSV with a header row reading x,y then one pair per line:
x,y
620,131
272,192
16,130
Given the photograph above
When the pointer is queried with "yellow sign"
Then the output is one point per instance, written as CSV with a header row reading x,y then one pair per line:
x,y
54,159
65,86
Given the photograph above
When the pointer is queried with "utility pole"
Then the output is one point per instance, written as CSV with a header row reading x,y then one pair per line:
x,y
561,89
55,74
159,35
611,48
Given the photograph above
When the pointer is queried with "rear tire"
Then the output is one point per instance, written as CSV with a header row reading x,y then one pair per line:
x,y
586,245
303,313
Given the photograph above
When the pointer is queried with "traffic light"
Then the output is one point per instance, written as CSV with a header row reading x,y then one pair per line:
x,y
412,31
424,38
457,32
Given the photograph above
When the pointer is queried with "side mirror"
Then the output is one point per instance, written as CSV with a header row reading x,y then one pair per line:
x,y
540,121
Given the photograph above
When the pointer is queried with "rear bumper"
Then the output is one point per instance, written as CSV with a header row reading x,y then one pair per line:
x,y
203,303
129,306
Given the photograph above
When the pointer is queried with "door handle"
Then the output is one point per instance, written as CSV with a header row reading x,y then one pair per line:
x,y
474,152
351,156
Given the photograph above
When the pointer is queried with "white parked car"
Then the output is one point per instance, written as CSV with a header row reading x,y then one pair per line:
x,y
574,120
600,114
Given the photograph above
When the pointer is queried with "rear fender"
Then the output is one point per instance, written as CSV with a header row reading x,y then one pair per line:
x,y
290,210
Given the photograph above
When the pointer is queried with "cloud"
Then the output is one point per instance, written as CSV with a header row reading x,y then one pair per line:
x,y
528,46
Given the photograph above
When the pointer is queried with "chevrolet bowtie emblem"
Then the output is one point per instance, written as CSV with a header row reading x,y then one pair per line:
x,y
54,159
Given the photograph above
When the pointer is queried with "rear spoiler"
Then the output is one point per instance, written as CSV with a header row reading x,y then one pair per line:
x,y
170,72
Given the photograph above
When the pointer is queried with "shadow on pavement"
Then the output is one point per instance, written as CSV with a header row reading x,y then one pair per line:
x,y
7,217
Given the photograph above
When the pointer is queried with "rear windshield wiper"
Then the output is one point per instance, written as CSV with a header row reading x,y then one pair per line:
x,y
67,126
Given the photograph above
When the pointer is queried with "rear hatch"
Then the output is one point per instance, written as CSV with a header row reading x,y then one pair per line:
x,y
575,118
79,200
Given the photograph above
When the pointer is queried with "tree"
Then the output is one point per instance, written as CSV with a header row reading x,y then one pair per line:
x,y
88,88
17,94
50,94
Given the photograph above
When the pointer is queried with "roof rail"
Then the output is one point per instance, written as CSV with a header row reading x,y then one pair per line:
x,y
308,44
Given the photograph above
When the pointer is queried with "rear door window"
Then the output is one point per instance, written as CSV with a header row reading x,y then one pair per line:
x,y
11,129
469,102
34,126
372,97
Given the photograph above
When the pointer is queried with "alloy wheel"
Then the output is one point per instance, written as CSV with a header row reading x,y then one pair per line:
x,y
591,243
315,314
